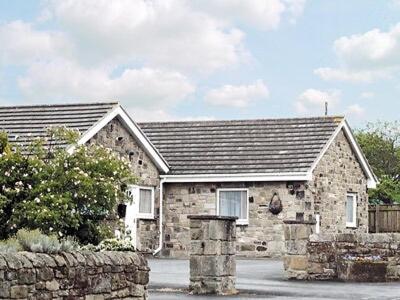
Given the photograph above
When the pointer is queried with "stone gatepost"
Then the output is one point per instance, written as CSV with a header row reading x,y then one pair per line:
x,y
295,259
212,255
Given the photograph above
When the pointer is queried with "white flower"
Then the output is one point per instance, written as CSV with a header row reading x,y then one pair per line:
x,y
51,228
37,200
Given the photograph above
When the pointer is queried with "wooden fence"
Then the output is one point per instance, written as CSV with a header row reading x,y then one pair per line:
x,y
384,218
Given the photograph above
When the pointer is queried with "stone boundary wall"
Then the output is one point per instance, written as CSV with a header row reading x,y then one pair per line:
x,y
78,275
345,256
212,255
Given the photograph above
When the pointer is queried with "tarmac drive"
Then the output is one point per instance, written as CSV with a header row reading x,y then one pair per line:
x,y
261,279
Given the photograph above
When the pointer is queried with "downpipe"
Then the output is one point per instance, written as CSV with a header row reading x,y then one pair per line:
x,y
160,239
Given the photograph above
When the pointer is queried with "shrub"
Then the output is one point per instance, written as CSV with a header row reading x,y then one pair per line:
x,y
9,246
36,241
70,194
113,244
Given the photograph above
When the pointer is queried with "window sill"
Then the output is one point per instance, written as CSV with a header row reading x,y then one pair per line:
x,y
351,226
242,223
145,217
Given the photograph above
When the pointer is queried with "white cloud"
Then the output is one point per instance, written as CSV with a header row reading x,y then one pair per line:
x,y
355,110
64,80
350,75
367,95
365,57
157,33
395,3
312,101
261,14
22,44
237,95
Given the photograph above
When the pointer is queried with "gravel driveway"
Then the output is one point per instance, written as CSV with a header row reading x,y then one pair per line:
x,y
261,279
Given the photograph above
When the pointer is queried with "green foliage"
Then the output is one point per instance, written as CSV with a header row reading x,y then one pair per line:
x,y
9,246
387,191
69,194
36,241
113,244
380,143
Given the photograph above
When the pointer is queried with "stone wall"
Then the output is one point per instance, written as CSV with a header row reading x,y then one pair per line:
x,y
262,237
212,255
78,275
116,137
345,256
338,173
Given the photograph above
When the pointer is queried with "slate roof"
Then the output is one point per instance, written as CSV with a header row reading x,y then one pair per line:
x,y
241,146
25,123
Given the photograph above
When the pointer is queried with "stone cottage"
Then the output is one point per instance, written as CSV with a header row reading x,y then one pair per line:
x,y
262,171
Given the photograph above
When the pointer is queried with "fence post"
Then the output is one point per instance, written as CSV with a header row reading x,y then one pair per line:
x,y
377,218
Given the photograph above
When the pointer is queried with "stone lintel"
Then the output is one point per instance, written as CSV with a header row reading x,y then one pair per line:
x,y
299,222
212,217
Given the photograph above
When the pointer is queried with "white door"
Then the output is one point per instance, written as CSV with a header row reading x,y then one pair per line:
x,y
132,210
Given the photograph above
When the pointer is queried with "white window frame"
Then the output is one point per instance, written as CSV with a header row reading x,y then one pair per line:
x,y
238,221
354,223
136,194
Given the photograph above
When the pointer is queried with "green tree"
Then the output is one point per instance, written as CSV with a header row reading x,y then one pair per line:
x,y
70,194
380,143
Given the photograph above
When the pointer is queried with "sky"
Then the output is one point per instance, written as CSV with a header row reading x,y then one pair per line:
x,y
205,59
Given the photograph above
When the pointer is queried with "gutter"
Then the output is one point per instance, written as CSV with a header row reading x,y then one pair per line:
x,y
160,238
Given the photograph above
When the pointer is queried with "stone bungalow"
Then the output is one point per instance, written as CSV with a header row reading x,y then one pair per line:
x,y
262,171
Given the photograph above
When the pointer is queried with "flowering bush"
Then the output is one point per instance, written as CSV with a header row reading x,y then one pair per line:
x,y
69,194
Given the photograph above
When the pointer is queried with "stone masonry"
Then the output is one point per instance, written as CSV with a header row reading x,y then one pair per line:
x,y
78,275
116,137
262,237
212,255
337,173
343,256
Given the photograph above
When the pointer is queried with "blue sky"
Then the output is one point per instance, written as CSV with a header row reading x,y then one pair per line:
x,y
178,60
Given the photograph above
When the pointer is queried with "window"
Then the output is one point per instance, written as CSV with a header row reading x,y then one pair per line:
x,y
233,202
143,202
351,210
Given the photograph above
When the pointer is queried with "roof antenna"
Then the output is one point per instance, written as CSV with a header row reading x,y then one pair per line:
x,y
326,108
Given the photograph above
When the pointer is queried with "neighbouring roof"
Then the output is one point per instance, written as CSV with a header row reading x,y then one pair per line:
x,y
242,146
26,123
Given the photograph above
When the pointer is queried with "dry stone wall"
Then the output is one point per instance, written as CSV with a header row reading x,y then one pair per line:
x,y
344,256
78,275
116,137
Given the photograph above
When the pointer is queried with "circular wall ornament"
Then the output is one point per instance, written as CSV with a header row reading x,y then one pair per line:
x,y
275,205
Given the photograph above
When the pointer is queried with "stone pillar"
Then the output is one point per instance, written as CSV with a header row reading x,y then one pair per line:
x,y
212,255
295,259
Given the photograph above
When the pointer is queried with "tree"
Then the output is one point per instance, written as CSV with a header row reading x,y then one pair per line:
x,y
70,194
380,143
